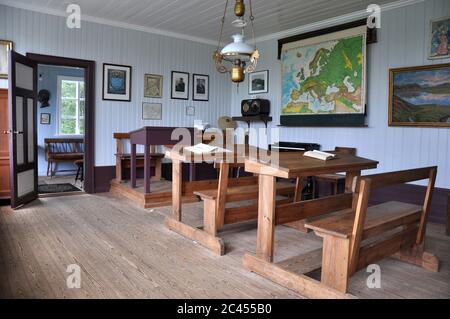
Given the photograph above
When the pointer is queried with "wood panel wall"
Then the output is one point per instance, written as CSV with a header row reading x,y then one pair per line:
x,y
146,53
402,41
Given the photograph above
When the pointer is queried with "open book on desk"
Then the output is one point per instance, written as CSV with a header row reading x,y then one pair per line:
x,y
206,149
324,156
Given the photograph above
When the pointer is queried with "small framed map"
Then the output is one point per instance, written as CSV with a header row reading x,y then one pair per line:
x,y
324,79
151,111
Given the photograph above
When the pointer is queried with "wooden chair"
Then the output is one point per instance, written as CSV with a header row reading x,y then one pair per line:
x,y
123,160
355,238
333,179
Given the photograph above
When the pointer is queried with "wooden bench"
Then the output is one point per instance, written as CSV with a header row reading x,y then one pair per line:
x,y
214,204
360,236
123,160
59,150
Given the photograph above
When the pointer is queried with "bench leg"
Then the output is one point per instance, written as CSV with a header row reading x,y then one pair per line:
x,y
417,256
48,168
299,224
210,216
158,169
335,267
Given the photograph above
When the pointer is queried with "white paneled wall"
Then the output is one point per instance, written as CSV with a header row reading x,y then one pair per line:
x,y
145,52
402,41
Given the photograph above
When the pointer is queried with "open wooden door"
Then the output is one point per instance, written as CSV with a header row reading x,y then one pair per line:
x,y
22,97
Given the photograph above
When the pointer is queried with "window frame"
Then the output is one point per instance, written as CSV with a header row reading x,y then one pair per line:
x,y
60,79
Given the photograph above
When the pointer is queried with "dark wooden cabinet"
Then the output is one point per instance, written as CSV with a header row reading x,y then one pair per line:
x,y
4,145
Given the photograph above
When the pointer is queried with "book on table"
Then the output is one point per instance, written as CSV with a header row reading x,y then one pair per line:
x,y
206,149
324,156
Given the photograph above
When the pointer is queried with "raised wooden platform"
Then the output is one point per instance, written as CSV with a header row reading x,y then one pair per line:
x,y
161,193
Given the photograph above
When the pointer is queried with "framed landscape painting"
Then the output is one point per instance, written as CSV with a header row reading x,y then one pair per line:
x,y
419,96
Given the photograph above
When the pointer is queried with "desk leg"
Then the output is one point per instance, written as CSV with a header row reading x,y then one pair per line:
x,y
266,217
133,166
147,160
176,189
192,176
298,224
222,194
350,180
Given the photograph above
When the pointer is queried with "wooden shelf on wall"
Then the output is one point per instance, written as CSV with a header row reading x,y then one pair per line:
x,y
254,118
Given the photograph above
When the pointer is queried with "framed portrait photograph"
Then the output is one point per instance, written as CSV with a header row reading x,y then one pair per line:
x,y
116,82
190,111
5,47
419,96
439,38
180,85
258,82
151,111
200,87
153,85
45,118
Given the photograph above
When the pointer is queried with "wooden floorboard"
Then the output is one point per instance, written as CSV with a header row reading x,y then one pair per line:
x,y
126,252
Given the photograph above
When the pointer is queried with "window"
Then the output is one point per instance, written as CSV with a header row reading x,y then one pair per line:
x,y
71,106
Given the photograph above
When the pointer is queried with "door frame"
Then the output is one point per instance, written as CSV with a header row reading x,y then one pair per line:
x,y
89,130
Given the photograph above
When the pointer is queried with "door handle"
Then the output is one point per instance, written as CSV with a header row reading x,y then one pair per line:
x,y
18,132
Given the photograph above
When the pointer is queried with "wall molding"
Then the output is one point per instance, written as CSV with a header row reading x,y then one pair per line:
x,y
357,15
282,34
123,25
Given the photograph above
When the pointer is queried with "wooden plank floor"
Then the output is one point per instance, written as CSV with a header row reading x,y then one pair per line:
x,y
126,252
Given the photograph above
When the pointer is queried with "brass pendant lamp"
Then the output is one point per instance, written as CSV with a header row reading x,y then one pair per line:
x,y
242,57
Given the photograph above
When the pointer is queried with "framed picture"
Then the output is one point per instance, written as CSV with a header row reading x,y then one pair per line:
x,y
258,82
200,87
5,47
45,118
419,96
116,82
190,111
153,85
180,85
151,111
439,38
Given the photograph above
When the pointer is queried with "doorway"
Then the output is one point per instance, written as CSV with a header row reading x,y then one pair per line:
x,y
72,116
60,129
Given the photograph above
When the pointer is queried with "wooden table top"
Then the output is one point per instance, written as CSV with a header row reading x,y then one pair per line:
x,y
291,165
235,157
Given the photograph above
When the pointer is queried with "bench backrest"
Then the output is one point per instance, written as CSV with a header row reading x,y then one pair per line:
x,y
63,145
363,188
345,150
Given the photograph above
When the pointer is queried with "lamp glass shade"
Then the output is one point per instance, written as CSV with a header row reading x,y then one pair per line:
x,y
238,48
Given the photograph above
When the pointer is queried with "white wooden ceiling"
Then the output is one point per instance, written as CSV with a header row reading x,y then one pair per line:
x,y
201,18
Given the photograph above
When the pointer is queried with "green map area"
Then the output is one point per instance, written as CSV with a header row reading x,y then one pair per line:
x,y
325,78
